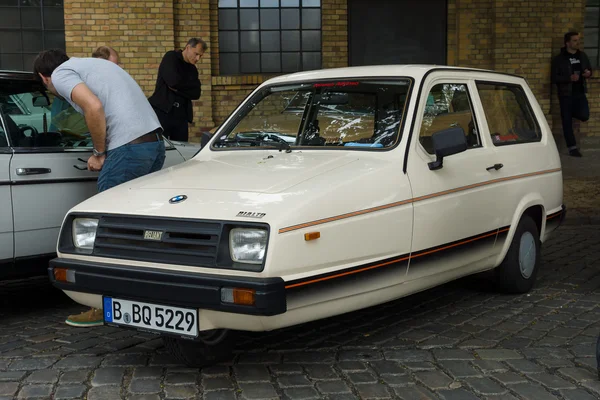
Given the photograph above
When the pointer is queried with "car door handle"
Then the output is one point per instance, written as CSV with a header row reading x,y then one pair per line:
x,y
495,166
33,171
81,168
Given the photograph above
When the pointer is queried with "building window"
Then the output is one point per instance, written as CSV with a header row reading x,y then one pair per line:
x,y
269,36
28,27
590,33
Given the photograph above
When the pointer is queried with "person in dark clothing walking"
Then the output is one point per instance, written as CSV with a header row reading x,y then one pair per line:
x,y
177,84
570,70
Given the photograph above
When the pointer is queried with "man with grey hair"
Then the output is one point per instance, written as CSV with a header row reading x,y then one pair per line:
x,y
177,84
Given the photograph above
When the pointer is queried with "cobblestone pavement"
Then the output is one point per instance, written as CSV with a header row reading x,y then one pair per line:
x,y
459,341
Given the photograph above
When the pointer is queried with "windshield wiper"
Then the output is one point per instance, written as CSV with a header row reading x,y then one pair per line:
x,y
280,145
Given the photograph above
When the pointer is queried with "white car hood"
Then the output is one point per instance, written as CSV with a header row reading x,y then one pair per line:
x,y
246,171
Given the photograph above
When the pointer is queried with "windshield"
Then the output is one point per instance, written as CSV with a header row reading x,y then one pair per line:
x,y
36,118
359,114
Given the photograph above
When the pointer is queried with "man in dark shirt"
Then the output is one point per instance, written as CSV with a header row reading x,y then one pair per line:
x,y
177,84
570,69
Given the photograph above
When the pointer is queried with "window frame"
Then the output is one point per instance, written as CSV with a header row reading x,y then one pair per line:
x,y
41,29
241,112
527,105
595,61
447,81
239,53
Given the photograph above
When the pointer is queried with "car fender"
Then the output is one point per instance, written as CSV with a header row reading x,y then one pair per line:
x,y
529,200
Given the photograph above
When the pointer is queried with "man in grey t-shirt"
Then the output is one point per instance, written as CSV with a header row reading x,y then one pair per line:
x,y
124,128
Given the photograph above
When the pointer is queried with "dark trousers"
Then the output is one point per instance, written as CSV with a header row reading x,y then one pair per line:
x,y
575,106
174,123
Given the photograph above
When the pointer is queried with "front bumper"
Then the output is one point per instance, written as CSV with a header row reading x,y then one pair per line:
x,y
184,289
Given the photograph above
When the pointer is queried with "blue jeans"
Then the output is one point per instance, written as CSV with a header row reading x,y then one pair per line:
x,y
130,161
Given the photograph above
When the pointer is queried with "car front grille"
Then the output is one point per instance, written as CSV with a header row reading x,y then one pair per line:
x,y
171,241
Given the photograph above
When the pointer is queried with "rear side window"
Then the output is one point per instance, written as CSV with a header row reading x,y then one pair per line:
x,y
509,115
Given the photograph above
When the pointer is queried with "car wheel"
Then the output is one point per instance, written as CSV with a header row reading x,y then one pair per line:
x,y
211,348
519,269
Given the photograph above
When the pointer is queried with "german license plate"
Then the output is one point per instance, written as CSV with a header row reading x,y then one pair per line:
x,y
151,317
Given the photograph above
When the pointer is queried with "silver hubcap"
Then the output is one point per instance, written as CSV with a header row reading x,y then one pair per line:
x,y
527,254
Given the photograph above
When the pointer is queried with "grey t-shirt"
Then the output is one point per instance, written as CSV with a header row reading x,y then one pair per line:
x,y
129,115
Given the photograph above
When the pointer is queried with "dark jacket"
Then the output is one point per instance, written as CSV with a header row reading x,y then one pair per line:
x,y
177,74
562,71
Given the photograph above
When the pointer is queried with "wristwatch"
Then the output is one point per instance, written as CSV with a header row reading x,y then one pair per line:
x,y
97,153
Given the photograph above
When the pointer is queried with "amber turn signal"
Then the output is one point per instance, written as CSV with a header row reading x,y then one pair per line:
x,y
245,297
64,275
312,236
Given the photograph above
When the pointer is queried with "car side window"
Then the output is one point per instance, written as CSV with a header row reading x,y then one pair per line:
x,y
509,115
3,137
448,106
35,119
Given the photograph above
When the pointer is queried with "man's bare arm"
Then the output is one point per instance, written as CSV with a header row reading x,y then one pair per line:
x,y
93,112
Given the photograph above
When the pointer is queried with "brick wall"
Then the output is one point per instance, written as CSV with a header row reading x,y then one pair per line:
x,y
192,19
140,31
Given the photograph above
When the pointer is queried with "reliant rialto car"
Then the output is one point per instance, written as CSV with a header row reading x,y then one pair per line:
x,y
44,147
324,192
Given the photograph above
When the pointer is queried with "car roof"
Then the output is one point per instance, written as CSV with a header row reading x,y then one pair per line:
x,y
12,82
377,71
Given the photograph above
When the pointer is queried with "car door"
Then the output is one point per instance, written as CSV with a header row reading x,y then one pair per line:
x,y
455,222
48,170
6,216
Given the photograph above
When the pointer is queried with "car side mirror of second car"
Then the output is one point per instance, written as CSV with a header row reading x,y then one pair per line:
x,y
40,101
446,143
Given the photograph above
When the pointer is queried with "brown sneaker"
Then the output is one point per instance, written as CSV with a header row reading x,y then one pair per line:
x,y
93,317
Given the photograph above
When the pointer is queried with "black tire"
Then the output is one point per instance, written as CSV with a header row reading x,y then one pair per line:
x,y
509,276
209,350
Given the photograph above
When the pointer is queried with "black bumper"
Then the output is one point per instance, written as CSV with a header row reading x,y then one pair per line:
x,y
174,288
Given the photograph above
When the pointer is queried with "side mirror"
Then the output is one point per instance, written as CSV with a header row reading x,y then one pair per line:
x,y
446,143
40,101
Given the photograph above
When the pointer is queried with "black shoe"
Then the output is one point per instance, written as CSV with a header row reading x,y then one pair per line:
x,y
575,153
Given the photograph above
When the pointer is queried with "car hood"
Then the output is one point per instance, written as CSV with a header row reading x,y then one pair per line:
x,y
246,171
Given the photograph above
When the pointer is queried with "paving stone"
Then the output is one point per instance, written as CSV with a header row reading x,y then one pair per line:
x,y
321,372
8,388
460,369
145,386
69,392
288,381
509,378
147,372
453,354
485,386
181,378
361,377
6,376
457,394
251,373
576,394
258,391
397,380
180,391
128,360
387,367
552,381
420,366
108,376
144,397
32,364
414,393
525,366
285,369
220,395
434,379
488,366
352,366
78,362
593,386
49,376
532,392
217,383
328,387
104,393
407,356
301,393
373,391
498,354
35,391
